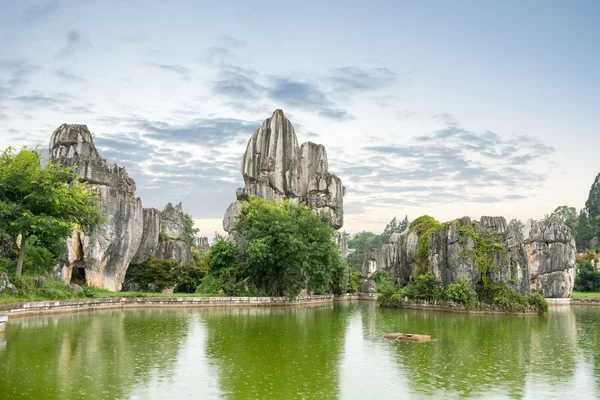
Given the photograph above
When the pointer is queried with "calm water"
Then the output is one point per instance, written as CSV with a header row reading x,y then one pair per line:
x,y
300,353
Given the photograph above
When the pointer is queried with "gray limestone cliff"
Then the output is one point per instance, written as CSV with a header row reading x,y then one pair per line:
x,y
164,236
536,257
130,232
274,167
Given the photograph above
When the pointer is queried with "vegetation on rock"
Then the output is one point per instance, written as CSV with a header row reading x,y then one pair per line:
x,y
48,202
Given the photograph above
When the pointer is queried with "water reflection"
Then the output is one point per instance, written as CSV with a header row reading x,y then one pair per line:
x,y
325,352
87,355
276,353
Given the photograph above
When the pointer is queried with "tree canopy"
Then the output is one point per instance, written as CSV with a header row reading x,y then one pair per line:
x,y
285,247
46,201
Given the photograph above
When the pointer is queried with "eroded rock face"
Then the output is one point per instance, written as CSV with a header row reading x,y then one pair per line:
x,y
274,167
73,144
106,252
539,256
164,235
202,244
130,232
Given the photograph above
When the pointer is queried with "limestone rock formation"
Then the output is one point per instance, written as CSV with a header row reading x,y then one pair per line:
x,y
104,254
164,235
202,244
6,286
274,167
539,256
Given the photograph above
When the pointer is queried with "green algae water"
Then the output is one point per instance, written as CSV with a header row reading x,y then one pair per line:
x,y
327,352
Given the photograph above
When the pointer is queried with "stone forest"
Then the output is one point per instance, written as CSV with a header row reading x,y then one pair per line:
x,y
426,296
537,256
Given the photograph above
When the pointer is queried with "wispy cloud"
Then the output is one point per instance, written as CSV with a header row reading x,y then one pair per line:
x,y
176,69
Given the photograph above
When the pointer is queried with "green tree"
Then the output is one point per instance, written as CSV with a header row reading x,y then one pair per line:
x,y
592,205
394,227
361,244
583,231
286,248
46,201
565,214
190,231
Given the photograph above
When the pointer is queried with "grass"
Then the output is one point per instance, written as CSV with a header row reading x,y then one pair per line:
x,y
53,290
585,295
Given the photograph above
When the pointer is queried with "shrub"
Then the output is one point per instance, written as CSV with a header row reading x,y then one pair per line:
x,y
385,283
286,248
424,287
355,276
209,286
536,300
588,277
461,292
424,226
222,254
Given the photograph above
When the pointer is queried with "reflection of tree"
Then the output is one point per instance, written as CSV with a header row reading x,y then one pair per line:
x,y
588,335
476,354
277,353
87,355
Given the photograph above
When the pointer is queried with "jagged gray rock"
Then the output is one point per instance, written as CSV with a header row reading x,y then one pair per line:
x,y
202,244
164,235
539,256
321,191
73,145
274,167
104,254
6,286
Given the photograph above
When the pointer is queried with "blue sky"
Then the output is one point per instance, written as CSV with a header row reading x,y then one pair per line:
x,y
448,108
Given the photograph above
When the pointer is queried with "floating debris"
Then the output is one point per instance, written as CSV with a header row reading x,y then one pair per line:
x,y
408,337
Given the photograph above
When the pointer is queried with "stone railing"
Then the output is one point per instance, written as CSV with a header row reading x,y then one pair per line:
x,y
114,302
585,302
441,305
3,320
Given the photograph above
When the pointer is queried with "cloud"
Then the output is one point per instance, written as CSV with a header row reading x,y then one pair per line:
x,y
238,84
40,11
67,76
15,76
354,80
165,173
76,42
449,165
208,132
177,69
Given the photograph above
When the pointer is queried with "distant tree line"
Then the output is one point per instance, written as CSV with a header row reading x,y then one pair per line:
x,y
585,227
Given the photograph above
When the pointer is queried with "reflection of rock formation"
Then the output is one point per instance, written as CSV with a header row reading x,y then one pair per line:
x,y
104,254
276,168
539,256
262,352
473,356
96,355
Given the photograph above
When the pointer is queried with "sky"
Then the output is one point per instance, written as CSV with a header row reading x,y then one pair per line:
x,y
446,108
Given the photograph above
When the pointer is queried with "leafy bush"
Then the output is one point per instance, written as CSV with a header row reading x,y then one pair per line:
x,y
423,287
461,292
588,277
355,276
536,300
385,283
285,248
36,261
209,286
222,254
187,277
156,275
424,226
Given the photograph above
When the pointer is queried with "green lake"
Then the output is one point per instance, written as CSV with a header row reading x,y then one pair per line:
x,y
327,352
